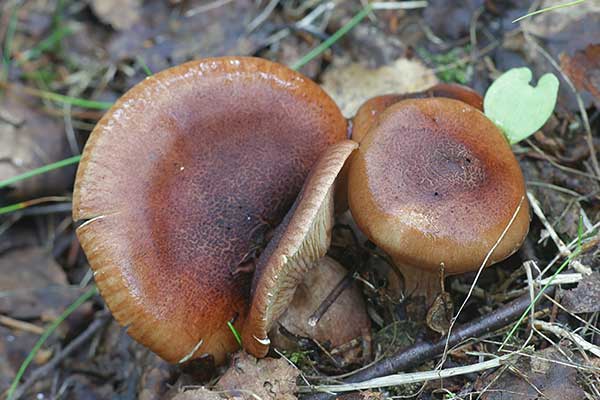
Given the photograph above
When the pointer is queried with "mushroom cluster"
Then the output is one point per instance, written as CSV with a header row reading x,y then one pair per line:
x,y
207,193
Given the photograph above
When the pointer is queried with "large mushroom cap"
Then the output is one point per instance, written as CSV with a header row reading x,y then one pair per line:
x,y
301,239
435,181
174,182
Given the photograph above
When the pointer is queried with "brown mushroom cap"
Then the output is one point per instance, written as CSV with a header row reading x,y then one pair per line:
x,y
173,183
301,239
369,111
435,181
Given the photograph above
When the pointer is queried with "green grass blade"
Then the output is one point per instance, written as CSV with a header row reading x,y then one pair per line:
x,y
47,333
39,171
541,292
8,39
235,333
144,66
551,8
46,44
333,38
92,104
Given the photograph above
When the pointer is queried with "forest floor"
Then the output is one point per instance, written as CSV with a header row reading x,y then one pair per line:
x,y
65,61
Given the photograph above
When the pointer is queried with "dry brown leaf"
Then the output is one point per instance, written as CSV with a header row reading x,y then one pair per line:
x,y
585,298
351,85
584,70
544,375
120,14
30,139
198,394
267,378
29,268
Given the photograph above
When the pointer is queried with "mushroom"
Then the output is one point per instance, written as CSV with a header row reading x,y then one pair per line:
x,y
435,184
369,111
298,243
178,186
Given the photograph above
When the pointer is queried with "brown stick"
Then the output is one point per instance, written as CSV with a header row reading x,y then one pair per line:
x,y
424,351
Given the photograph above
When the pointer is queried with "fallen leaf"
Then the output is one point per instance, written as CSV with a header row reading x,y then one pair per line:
x,y
198,394
28,140
543,375
29,268
165,36
585,298
267,378
584,70
120,14
351,85
440,313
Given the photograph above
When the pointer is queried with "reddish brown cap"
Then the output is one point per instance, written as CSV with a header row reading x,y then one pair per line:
x,y
301,239
435,181
173,183
369,111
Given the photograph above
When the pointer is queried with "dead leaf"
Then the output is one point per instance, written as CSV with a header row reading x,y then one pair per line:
x,y
198,394
30,139
165,36
544,375
585,298
120,14
14,347
451,19
440,313
267,378
29,268
351,85
584,70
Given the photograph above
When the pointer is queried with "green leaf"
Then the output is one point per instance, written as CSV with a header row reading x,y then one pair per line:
x,y
518,108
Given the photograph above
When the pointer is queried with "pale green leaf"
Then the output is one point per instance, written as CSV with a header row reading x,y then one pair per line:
x,y
518,108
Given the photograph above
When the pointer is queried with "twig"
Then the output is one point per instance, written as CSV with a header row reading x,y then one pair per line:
x,y
424,351
342,285
403,379
21,325
562,248
44,370
563,333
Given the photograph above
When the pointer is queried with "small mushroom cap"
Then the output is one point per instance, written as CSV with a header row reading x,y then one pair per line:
x,y
435,181
369,111
174,181
302,238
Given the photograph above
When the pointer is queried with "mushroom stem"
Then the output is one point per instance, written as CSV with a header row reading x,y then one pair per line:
x,y
420,286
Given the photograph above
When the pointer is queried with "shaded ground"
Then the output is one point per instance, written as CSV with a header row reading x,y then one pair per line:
x,y
96,50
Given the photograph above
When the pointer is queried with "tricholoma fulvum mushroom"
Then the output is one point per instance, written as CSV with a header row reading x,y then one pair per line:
x,y
435,185
183,181
176,184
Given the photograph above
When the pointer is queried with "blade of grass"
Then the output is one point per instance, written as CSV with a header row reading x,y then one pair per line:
x,y
24,204
39,171
551,8
47,333
144,66
92,104
235,333
8,39
541,292
333,38
48,43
